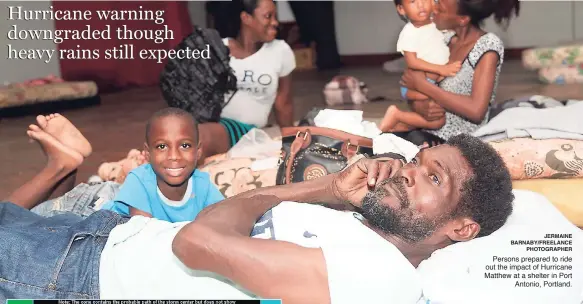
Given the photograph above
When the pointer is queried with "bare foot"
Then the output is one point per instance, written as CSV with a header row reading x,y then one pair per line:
x,y
390,120
400,127
60,157
64,131
109,171
134,153
142,158
53,79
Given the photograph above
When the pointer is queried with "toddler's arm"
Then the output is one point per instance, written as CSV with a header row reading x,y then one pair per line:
x,y
419,64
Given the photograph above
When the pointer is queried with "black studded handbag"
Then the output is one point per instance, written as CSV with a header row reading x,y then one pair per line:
x,y
310,152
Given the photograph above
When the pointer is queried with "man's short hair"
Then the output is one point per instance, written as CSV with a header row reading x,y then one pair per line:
x,y
487,196
171,111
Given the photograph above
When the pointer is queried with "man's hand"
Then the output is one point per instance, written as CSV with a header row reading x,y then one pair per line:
x,y
352,184
430,110
449,70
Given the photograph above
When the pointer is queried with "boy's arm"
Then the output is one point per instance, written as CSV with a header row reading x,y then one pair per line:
x,y
134,212
133,194
419,64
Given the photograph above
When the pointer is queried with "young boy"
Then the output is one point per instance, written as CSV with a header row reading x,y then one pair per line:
x,y
169,187
424,48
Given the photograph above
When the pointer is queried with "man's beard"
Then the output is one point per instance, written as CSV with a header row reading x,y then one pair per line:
x,y
405,223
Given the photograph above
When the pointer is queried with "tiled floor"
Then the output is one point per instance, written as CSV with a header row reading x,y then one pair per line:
x,y
117,125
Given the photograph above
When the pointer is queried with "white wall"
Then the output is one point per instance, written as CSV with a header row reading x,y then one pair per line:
x,y
197,12
539,24
367,27
14,70
372,27
578,20
284,12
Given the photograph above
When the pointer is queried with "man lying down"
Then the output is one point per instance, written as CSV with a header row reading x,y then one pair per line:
x,y
298,252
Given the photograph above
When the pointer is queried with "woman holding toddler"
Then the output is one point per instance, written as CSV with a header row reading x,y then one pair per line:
x,y
457,98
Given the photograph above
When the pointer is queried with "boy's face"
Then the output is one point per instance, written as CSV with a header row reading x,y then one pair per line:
x,y
416,10
173,149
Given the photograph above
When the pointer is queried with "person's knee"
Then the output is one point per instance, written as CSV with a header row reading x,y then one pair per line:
x,y
213,138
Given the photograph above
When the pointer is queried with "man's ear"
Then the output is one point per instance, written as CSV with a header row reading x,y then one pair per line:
x,y
147,151
463,229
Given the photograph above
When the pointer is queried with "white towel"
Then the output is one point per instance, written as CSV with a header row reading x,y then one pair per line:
x,y
386,143
349,121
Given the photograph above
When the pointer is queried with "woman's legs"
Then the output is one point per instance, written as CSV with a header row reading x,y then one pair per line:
x,y
214,140
218,138
396,120
62,163
64,146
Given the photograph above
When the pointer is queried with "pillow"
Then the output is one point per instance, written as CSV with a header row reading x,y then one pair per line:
x,y
21,95
565,194
566,74
461,273
537,58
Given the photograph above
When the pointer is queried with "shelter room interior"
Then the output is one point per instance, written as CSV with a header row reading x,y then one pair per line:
x,y
109,101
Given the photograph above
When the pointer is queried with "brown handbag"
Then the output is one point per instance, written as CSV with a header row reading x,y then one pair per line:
x,y
312,152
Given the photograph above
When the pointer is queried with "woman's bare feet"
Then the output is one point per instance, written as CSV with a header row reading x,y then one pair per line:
x,y
134,153
142,158
109,171
64,131
390,120
60,157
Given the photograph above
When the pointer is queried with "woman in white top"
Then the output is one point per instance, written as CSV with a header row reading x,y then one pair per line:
x,y
263,67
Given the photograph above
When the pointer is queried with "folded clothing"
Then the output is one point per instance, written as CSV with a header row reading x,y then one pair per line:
x,y
531,101
554,122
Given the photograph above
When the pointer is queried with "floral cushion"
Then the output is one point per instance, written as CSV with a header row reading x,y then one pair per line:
x,y
528,158
18,95
234,176
567,74
537,58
